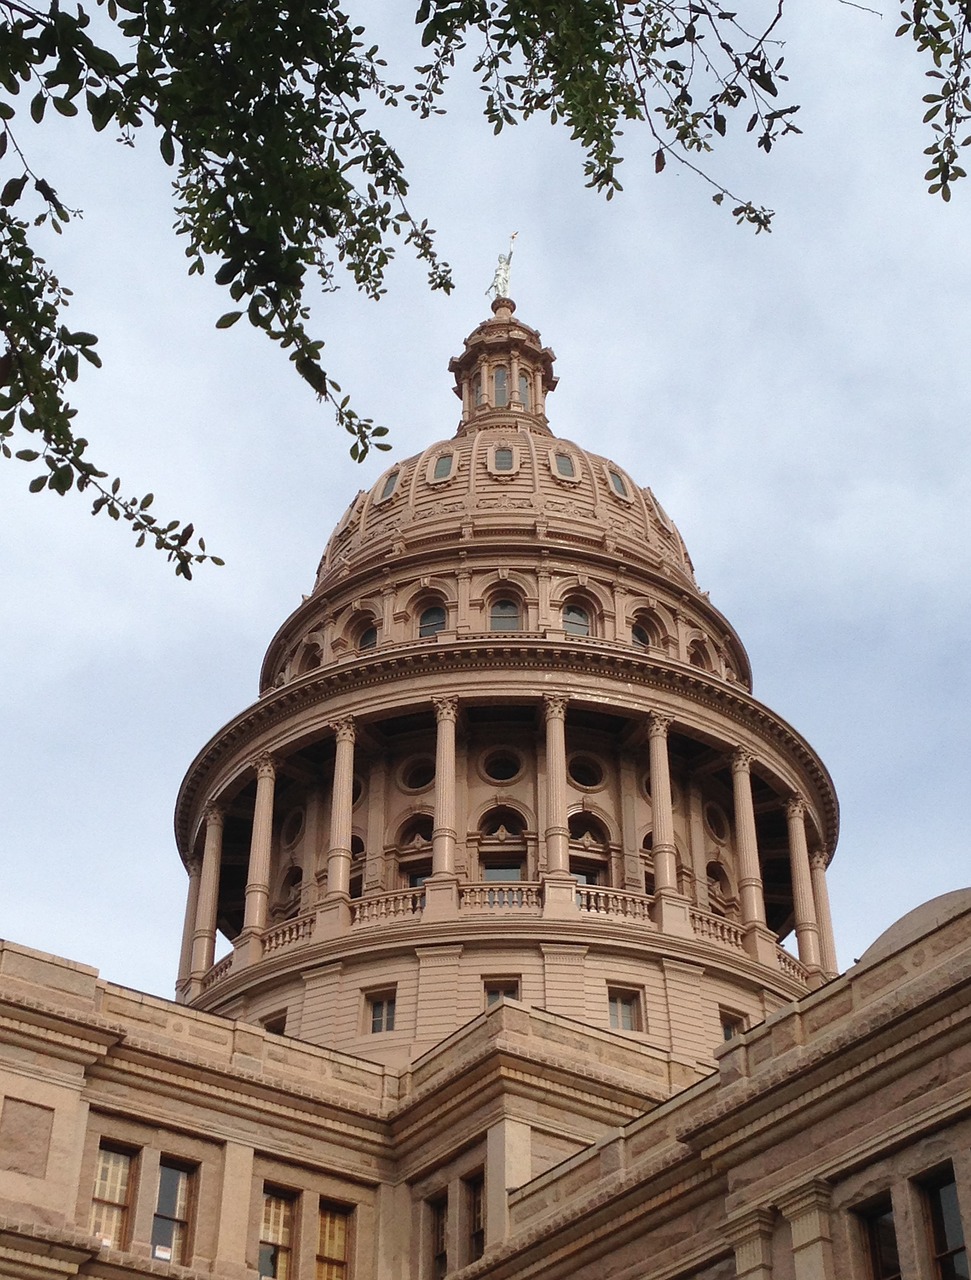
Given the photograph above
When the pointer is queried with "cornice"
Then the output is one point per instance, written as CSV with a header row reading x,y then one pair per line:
x,y
616,665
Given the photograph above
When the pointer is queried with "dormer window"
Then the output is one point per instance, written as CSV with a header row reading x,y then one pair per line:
x,y
443,467
388,488
500,384
565,466
504,459
524,397
618,484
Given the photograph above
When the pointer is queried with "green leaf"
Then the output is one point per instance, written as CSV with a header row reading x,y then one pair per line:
x,y
228,320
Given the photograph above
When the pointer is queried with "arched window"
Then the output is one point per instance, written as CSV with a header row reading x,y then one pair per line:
x,y
618,484
645,632
504,615
576,620
589,848
432,620
698,655
368,638
565,466
414,851
388,488
500,382
524,396
502,845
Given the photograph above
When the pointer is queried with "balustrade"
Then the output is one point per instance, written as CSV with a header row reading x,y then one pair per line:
x,y
717,929
614,902
296,930
403,905
514,896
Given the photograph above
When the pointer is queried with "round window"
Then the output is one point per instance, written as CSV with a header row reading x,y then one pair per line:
x,y
502,765
585,771
292,827
716,822
418,774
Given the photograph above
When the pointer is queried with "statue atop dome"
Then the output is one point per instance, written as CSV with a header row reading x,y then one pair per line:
x,y
500,281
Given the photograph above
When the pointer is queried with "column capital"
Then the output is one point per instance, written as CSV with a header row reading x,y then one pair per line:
x,y
214,815
446,708
795,808
819,860
742,760
265,765
555,705
658,724
344,730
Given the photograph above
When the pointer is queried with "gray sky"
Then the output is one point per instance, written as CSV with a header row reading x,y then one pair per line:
x,y
798,402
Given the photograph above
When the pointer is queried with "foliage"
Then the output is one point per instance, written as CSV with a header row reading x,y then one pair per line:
x,y
265,109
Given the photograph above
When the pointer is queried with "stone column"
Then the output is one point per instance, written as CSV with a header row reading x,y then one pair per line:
x,y
188,927
508,1165
341,805
751,1237
670,910
807,1211
827,943
249,944
804,908
760,943
441,892
204,934
559,895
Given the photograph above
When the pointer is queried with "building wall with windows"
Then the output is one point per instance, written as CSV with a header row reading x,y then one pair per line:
x,y
528,966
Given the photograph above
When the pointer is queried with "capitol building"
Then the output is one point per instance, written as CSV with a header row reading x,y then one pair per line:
x,y
507,948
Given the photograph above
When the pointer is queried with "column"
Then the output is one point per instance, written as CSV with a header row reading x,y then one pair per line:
x,y
827,943
261,840
751,1236
804,908
204,934
508,1165
559,887
443,831
671,911
341,806
760,943
189,926
807,1211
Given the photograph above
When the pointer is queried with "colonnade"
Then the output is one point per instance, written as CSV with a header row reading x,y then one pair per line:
x,y
813,924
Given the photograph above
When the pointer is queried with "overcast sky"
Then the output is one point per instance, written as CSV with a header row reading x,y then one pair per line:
x,y
798,402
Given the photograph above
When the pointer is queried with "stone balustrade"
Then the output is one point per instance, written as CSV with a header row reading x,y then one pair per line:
x,y
297,929
614,902
717,929
384,907
514,896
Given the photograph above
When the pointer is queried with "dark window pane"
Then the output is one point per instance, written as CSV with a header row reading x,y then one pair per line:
x,y
576,620
504,616
504,460
501,380
431,621
443,466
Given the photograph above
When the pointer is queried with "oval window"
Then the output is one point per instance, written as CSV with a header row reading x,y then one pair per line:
x,y
504,616
502,766
418,774
432,620
586,772
576,620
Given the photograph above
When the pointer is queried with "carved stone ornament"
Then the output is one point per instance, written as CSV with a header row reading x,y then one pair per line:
x,y
742,760
265,766
446,708
819,859
555,704
344,729
658,724
795,808
214,815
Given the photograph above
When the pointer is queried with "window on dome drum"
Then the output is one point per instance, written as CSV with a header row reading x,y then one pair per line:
x,y
417,873
587,872
502,765
495,989
585,771
275,1023
881,1241
503,459
477,389
946,1231
368,639
387,489
732,1024
565,467
170,1226
618,484
418,774
111,1199
355,887
504,615
432,621
494,872
276,1235
500,382
698,656
576,620
524,397
624,1008
475,1216
438,1232
332,1240
380,1009
443,467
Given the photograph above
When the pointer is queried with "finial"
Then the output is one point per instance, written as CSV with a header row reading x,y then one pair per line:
x,y
500,281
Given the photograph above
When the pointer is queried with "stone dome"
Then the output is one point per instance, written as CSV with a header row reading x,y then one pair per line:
x,y
506,748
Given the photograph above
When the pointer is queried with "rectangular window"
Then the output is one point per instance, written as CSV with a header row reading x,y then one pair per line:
x,y
947,1232
881,1241
504,459
439,1237
502,871
496,988
475,1208
170,1226
625,1012
332,1241
110,1202
380,1009
564,465
443,466
732,1024
276,1236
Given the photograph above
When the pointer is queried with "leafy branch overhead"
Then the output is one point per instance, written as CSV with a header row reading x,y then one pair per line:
x,y
266,110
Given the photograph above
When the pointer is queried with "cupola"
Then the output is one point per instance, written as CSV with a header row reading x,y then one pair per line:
x,y
504,371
